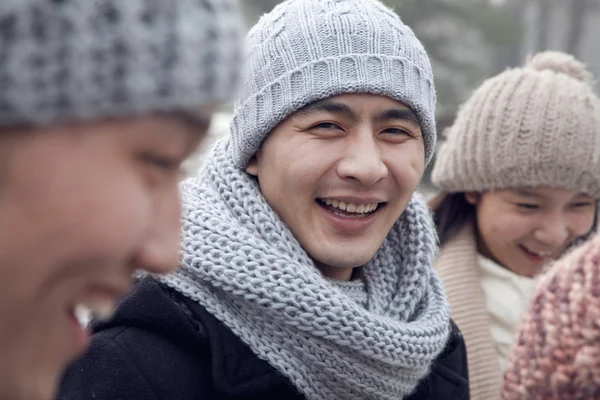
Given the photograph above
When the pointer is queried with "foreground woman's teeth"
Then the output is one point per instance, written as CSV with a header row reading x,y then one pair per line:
x,y
94,309
83,315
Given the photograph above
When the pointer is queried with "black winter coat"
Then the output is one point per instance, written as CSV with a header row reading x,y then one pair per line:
x,y
161,346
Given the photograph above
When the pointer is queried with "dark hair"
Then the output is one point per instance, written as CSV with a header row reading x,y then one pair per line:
x,y
451,211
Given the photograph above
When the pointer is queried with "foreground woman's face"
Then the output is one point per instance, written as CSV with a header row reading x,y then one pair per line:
x,y
81,207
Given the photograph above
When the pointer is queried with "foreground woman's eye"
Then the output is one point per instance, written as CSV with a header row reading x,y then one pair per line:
x,y
160,162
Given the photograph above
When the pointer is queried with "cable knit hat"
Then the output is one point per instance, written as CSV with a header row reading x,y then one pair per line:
x,y
309,50
538,125
91,59
557,354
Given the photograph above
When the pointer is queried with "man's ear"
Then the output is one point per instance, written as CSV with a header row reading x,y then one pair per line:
x,y
252,167
472,197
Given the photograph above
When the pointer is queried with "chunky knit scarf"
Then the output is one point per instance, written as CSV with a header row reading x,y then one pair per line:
x,y
372,339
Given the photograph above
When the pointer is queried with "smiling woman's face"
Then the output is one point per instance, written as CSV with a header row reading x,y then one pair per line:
x,y
524,229
81,207
339,173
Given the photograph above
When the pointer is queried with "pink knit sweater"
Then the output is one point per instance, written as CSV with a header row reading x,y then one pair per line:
x,y
557,355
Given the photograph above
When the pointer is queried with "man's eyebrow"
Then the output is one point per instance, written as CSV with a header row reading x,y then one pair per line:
x,y
405,114
331,107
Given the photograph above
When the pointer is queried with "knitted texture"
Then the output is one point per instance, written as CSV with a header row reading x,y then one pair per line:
x,y
457,268
538,125
92,59
309,50
557,355
373,339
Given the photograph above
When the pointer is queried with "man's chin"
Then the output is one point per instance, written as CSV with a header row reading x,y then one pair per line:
x,y
345,259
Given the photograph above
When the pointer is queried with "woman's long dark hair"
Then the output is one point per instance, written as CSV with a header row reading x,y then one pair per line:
x,y
451,211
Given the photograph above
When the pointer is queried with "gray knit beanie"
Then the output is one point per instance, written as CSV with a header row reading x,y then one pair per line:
x,y
92,59
538,125
309,50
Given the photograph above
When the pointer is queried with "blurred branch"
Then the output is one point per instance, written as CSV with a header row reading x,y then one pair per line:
x,y
577,10
451,30
262,5
542,25
256,8
496,25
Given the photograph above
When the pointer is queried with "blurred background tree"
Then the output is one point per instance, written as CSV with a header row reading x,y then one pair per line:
x,y
467,40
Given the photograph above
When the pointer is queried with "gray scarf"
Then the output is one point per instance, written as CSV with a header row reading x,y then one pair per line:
x,y
373,339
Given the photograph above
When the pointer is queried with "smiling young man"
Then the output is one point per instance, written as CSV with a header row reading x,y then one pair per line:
x,y
307,257
339,173
101,102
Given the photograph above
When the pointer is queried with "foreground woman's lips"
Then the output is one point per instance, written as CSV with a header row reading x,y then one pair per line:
x,y
98,302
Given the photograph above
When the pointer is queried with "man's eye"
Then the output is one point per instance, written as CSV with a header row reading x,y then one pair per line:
x,y
326,125
396,131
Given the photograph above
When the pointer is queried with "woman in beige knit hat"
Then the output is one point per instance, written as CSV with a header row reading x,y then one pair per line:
x,y
520,179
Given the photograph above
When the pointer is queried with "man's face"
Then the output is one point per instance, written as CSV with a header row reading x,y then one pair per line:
x,y
81,207
339,173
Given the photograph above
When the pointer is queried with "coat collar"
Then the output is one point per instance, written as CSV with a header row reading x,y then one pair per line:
x,y
234,369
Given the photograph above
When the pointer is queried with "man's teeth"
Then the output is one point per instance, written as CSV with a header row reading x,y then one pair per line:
x,y
351,207
94,309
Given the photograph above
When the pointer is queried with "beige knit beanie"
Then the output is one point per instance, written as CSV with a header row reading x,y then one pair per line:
x,y
538,125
